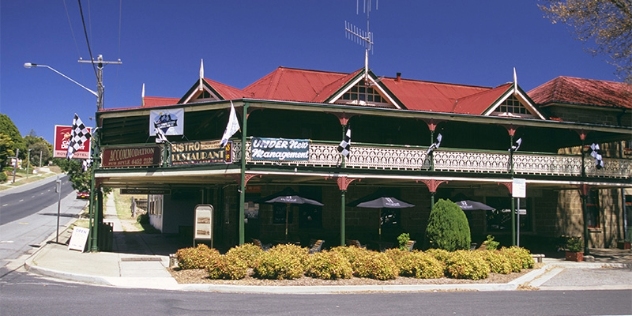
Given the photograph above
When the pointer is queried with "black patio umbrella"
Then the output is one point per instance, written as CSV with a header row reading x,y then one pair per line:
x,y
376,201
289,196
468,205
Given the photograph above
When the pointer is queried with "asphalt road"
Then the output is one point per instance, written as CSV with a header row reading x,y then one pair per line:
x,y
24,294
21,202
28,217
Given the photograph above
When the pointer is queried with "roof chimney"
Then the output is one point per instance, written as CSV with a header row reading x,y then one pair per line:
x,y
399,76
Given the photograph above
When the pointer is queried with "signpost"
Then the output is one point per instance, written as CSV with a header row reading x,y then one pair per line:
x,y
519,190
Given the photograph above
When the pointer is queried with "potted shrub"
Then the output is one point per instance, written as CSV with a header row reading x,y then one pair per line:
x,y
574,249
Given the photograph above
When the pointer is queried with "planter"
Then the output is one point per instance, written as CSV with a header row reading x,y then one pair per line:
x,y
574,256
623,244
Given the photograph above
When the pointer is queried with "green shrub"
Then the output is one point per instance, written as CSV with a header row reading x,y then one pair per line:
x,y
439,254
282,262
520,258
351,253
249,253
418,265
490,243
3,177
374,265
329,265
448,227
195,258
498,263
403,239
574,244
464,264
227,267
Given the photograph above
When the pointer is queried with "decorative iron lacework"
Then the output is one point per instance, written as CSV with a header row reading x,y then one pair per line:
x,y
407,158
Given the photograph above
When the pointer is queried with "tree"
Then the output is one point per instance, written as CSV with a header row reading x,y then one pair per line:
x,y
448,228
6,150
9,129
606,22
38,145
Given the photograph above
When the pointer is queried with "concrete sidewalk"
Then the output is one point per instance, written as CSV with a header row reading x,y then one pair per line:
x,y
140,260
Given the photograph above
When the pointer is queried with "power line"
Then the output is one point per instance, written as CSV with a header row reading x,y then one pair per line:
x,y
85,32
72,31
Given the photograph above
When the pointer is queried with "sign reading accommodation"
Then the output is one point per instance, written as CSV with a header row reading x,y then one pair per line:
x,y
62,139
203,221
200,152
144,156
279,149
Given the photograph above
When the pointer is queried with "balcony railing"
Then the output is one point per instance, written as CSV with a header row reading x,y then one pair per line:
x,y
414,158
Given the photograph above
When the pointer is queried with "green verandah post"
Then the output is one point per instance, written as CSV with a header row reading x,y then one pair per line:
x,y
242,183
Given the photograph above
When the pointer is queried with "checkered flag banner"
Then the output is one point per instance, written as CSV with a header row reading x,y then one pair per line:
x,y
596,153
78,136
345,144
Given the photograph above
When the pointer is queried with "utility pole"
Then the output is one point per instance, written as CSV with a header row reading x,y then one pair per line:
x,y
100,88
15,163
93,209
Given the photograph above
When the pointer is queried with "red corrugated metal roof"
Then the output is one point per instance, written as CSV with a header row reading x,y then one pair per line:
x,y
225,91
478,103
583,92
158,101
290,84
427,95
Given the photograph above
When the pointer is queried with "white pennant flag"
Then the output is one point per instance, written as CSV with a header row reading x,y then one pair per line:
x,y
232,127
515,82
201,87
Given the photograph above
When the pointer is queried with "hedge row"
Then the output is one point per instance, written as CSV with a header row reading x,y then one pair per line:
x,y
292,262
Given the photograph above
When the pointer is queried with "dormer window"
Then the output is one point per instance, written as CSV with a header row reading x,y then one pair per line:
x,y
361,94
513,106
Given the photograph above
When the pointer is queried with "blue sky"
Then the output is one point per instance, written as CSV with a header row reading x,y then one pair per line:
x,y
161,44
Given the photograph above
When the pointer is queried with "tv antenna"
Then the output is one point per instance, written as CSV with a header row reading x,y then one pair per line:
x,y
361,37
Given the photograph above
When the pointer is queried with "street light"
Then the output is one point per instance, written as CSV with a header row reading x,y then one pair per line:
x,y
94,152
32,65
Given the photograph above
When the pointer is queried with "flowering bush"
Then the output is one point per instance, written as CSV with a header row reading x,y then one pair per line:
x,y
329,265
282,262
520,258
249,253
418,265
227,267
498,263
465,264
195,258
375,265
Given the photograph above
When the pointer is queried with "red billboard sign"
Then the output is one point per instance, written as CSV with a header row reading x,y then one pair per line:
x,y
61,140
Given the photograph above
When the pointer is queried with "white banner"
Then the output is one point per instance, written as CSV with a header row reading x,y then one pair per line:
x,y
171,121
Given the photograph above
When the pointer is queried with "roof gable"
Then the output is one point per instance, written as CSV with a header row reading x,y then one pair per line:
x,y
207,89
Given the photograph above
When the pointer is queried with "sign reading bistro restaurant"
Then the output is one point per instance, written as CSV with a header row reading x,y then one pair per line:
x,y
144,156
279,149
201,152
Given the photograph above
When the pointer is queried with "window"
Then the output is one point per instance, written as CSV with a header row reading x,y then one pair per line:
x,y
512,105
499,220
363,94
592,209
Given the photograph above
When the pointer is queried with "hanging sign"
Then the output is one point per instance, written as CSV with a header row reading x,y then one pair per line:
x,y
140,156
201,152
170,121
279,149
519,188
